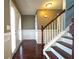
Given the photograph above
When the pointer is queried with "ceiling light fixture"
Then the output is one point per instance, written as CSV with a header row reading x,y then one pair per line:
x,y
45,16
48,4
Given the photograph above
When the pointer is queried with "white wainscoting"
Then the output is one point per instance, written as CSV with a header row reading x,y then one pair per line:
x,y
7,36
31,35
7,46
28,34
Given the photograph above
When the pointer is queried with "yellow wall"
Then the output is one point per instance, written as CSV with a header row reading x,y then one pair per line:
x,y
50,15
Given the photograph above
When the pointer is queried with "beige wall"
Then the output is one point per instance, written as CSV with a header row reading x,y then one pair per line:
x,y
28,22
41,20
7,33
6,15
28,27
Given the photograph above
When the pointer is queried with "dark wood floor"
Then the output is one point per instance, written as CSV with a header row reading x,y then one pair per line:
x,y
29,49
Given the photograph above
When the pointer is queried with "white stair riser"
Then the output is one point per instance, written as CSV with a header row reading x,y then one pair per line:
x,y
64,48
68,34
69,41
57,54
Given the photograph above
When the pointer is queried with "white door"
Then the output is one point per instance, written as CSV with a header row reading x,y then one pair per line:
x,y
15,27
13,36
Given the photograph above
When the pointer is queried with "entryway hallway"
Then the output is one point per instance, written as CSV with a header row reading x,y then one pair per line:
x,y
39,29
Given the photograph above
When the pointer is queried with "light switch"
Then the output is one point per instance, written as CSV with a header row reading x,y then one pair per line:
x,y
8,27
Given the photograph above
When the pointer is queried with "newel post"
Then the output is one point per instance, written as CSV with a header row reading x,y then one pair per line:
x,y
42,39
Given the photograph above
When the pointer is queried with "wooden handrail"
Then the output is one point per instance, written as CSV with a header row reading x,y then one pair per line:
x,y
42,40
70,8
58,16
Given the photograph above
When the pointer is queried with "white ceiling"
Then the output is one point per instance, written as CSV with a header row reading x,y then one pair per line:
x,y
29,7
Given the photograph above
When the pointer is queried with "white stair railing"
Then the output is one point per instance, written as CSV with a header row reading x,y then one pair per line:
x,y
52,30
56,38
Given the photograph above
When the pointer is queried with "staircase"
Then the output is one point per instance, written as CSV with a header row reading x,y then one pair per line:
x,y
58,40
62,48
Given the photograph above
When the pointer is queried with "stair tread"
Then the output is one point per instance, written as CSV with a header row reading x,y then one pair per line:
x,y
67,37
51,55
65,44
61,52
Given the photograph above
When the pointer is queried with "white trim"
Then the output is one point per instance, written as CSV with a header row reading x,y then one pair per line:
x,y
36,29
20,30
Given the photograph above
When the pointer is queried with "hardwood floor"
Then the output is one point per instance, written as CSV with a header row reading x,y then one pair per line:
x,y
29,49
